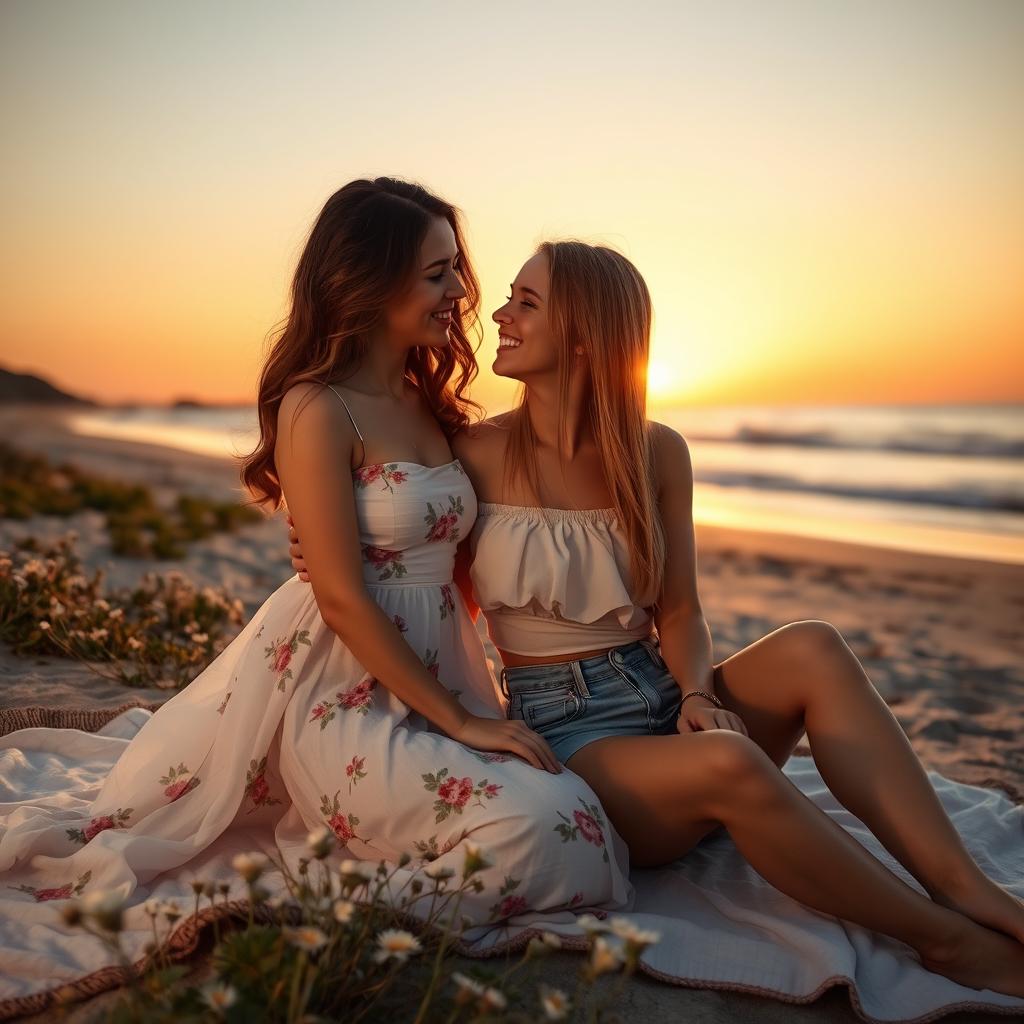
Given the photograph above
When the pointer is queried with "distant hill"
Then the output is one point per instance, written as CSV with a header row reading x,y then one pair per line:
x,y
26,388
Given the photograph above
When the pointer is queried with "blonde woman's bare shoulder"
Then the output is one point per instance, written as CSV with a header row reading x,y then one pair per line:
x,y
481,447
671,454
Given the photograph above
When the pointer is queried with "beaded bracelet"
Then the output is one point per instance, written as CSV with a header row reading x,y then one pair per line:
x,y
702,693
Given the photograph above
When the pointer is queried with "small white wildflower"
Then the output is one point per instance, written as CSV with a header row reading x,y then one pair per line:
x,y
354,870
57,608
33,567
394,942
171,910
492,999
117,613
98,634
152,906
199,639
554,1002
103,605
250,865
438,871
468,987
320,842
604,957
44,626
306,938
219,997
106,908
589,923
134,643
343,911
630,933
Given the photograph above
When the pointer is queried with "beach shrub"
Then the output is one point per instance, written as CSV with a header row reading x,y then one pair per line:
x,y
138,527
162,633
335,950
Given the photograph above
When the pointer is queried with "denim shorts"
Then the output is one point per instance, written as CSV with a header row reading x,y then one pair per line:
x,y
626,691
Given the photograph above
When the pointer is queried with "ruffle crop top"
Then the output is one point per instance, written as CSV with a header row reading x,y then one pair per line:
x,y
553,581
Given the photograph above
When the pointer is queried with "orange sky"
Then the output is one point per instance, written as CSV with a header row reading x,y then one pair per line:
x,y
826,202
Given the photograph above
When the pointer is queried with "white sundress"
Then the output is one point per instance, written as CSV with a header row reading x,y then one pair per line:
x,y
284,732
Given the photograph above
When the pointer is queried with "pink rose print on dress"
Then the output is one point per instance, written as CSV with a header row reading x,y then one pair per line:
x,y
342,825
224,703
281,652
510,905
359,698
454,793
64,892
447,600
444,524
430,662
388,563
588,825
400,623
256,787
177,785
388,473
116,820
354,771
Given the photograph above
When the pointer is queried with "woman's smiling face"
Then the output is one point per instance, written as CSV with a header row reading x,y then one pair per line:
x,y
423,314
526,345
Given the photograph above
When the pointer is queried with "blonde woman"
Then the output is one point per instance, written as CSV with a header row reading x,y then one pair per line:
x,y
582,560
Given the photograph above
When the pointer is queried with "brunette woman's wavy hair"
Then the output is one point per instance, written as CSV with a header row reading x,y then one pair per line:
x,y
361,253
597,301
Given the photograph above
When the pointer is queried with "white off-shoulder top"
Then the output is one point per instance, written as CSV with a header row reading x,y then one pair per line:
x,y
553,581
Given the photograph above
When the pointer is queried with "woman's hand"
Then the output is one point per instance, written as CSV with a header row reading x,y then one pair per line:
x,y
298,564
507,734
699,715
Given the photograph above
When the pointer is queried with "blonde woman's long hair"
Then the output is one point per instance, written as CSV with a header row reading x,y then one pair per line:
x,y
599,302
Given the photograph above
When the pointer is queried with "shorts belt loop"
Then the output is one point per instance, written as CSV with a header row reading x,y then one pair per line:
x,y
504,684
581,683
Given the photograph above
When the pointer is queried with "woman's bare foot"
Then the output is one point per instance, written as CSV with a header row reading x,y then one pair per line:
x,y
978,957
986,902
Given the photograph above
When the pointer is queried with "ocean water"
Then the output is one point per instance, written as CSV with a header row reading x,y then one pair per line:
x,y
942,479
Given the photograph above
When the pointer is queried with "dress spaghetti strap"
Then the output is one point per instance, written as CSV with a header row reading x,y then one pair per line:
x,y
353,419
350,416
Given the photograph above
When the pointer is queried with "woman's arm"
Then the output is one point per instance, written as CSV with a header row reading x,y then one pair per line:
x,y
312,456
463,560
684,633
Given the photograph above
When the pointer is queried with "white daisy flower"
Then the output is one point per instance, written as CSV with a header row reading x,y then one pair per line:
x,y
250,865
394,942
589,923
343,911
320,842
470,984
604,957
438,871
629,932
354,869
219,997
554,1002
492,999
306,938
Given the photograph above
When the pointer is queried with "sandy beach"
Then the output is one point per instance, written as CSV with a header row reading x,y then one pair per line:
x,y
940,637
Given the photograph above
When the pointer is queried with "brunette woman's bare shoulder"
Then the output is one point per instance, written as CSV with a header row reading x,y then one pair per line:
x,y
310,409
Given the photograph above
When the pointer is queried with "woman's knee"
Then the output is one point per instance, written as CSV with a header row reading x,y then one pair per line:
x,y
810,638
736,770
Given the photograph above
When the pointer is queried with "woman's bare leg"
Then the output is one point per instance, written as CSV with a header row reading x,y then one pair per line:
x,y
662,793
804,675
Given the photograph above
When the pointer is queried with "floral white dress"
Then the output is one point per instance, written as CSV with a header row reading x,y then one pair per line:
x,y
285,731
